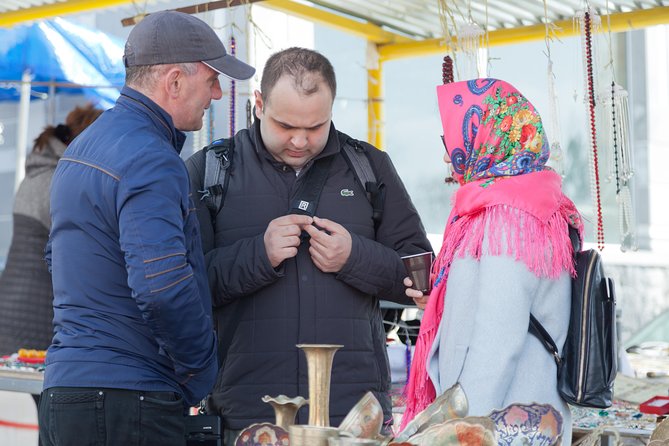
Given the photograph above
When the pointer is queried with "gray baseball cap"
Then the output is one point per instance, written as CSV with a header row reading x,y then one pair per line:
x,y
174,37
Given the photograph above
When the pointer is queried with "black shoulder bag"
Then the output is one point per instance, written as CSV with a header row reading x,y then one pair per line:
x,y
588,364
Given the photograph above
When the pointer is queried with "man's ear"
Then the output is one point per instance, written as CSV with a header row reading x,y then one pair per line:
x,y
173,82
259,104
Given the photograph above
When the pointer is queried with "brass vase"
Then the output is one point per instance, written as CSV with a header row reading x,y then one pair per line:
x,y
285,409
319,366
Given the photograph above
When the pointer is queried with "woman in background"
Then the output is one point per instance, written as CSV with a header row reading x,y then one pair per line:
x,y
25,285
506,253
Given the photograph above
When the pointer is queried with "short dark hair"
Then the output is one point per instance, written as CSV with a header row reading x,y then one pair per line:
x,y
297,63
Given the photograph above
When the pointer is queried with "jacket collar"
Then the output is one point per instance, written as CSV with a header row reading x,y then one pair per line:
x,y
137,101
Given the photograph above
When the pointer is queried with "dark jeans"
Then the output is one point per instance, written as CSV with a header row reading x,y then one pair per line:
x,y
84,416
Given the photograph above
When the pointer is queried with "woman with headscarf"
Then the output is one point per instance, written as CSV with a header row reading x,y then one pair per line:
x,y
506,253
25,285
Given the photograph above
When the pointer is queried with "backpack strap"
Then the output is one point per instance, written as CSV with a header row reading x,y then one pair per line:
x,y
540,332
358,160
305,199
217,165
536,328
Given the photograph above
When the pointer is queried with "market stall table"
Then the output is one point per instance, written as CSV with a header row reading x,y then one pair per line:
x,y
17,380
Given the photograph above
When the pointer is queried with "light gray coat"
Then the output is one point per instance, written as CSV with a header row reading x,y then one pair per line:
x,y
483,340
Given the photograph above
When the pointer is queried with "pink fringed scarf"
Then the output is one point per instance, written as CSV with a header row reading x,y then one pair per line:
x,y
496,142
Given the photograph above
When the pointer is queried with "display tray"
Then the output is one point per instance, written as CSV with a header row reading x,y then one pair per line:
x,y
624,417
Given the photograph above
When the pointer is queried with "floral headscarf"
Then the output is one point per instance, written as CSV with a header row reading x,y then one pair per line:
x,y
490,130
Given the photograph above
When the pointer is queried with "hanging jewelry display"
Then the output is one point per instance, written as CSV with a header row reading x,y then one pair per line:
x,y
623,158
447,20
465,38
470,39
588,21
233,87
447,70
557,154
619,163
622,166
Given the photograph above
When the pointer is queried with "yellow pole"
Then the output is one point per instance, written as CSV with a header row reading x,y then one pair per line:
x,y
374,97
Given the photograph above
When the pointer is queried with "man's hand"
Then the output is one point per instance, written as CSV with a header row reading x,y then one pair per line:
x,y
282,237
419,298
330,245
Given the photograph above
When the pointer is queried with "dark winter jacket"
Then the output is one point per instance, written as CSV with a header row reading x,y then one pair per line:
x,y
262,312
26,293
131,305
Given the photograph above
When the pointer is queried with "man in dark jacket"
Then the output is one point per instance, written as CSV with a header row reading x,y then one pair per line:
x,y
133,338
281,279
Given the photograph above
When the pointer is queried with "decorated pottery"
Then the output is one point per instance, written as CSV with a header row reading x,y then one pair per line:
x,y
263,434
365,419
449,405
527,424
285,409
469,431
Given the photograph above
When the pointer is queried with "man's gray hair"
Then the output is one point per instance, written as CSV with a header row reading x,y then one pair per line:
x,y
145,77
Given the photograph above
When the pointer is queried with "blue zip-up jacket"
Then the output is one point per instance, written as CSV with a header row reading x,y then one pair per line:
x,y
132,308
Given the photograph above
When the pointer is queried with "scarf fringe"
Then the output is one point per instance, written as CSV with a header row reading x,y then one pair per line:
x,y
422,389
544,247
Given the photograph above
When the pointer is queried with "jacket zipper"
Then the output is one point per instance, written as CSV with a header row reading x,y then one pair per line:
x,y
584,340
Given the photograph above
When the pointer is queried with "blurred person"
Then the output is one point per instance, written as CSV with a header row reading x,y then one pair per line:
x,y
134,343
26,293
506,253
279,279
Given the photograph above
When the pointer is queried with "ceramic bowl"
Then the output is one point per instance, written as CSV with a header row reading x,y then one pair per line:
x,y
532,424
365,419
468,431
449,405
262,433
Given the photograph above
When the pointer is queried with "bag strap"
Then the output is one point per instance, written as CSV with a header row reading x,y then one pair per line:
x,y
540,332
219,157
217,165
358,160
305,199
535,327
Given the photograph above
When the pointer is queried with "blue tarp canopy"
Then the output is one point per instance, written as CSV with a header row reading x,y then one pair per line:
x,y
63,55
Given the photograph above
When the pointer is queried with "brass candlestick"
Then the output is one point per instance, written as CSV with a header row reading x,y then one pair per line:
x,y
319,365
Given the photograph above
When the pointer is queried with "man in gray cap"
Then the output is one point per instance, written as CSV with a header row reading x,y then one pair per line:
x,y
133,342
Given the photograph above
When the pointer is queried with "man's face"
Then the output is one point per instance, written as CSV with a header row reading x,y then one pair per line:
x,y
295,127
198,91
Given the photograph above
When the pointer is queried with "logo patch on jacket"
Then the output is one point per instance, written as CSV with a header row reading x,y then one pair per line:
x,y
346,193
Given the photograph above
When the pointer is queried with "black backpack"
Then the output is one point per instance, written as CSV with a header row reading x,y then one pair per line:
x,y
588,364
219,158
